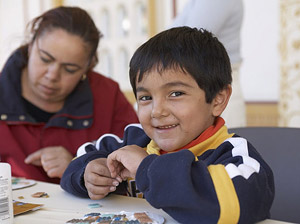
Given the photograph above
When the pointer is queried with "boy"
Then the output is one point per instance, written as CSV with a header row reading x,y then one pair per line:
x,y
187,163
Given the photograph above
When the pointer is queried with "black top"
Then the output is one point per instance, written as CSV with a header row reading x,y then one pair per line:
x,y
35,112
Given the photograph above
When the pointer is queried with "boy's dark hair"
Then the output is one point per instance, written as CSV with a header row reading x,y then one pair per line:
x,y
195,51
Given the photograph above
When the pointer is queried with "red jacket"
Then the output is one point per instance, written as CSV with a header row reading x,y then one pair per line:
x,y
96,106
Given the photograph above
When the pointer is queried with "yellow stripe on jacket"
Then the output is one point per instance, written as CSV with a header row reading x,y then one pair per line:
x,y
227,197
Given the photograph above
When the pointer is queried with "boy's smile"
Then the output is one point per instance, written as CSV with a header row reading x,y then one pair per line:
x,y
172,108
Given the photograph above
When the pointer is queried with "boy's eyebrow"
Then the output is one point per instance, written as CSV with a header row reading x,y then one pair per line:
x,y
177,83
169,84
141,89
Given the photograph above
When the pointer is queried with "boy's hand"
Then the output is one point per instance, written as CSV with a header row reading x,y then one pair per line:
x,y
97,179
125,161
53,159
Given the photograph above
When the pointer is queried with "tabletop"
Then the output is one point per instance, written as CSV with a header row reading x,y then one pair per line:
x,y
61,206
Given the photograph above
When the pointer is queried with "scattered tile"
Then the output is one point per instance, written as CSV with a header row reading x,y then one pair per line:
x,y
94,205
40,195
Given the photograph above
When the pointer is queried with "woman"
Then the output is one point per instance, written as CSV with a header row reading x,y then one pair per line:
x,y
51,101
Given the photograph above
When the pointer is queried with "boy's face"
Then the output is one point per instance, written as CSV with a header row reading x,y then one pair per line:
x,y
172,108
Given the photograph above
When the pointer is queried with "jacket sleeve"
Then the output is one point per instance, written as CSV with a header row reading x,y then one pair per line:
x,y
230,184
72,180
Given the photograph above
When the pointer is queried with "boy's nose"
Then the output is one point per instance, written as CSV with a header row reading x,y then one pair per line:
x,y
159,109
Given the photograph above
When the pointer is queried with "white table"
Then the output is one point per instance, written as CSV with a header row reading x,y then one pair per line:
x,y
62,206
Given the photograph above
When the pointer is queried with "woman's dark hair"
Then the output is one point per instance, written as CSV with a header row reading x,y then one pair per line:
x,y
74,20
194,51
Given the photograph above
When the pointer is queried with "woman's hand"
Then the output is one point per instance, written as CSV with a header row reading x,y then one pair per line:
x,y
53,159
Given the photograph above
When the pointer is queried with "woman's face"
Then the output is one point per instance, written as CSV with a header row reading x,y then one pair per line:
x,y
57,62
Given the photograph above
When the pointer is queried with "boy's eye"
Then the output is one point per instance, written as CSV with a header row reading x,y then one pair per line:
x,y
177,93
144,98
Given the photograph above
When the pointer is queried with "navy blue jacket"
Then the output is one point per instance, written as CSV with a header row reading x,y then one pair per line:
x,y
229,183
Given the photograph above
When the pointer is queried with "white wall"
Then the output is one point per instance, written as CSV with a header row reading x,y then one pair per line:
x,y
14,16
11,28
260,70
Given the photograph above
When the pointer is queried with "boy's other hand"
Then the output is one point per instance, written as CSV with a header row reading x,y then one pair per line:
x,y
97,179
125,161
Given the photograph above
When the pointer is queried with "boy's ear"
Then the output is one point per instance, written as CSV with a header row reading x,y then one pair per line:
x,y
221,100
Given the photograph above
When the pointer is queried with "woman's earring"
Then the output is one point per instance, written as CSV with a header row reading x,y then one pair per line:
x,y
83,77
